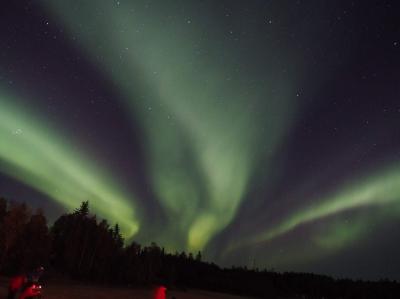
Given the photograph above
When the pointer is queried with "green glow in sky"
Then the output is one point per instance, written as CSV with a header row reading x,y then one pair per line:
x,y
380,191
259,132
49,162
201,108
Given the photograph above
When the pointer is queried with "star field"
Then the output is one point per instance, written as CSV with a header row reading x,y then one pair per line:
x,y
263,133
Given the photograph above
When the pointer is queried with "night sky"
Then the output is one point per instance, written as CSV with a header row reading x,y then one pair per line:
x,y
263,133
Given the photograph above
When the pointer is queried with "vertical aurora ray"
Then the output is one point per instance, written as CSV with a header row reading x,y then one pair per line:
x,y
263,133
188,86
41,158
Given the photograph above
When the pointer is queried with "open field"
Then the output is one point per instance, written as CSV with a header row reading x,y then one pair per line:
x,y
69,291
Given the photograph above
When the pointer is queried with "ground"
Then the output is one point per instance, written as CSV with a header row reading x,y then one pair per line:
x,y
68,291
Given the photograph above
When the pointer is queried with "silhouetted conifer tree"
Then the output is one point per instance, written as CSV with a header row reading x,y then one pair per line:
x,y
85,248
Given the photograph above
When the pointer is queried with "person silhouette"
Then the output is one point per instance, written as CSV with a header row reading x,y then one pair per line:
x,y
160,293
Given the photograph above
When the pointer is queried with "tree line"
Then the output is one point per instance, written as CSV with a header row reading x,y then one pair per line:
x,y
81,247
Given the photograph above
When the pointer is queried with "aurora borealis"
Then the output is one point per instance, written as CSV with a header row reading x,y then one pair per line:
x,y
47,162
263,133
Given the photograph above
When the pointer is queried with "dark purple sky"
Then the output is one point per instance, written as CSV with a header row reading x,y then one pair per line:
x,y
263,133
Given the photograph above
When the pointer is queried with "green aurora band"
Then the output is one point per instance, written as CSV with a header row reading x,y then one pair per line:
x,y
201,151
175,75
380,192
48,161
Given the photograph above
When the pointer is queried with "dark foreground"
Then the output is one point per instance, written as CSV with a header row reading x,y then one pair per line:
x,y
69,291
85,249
